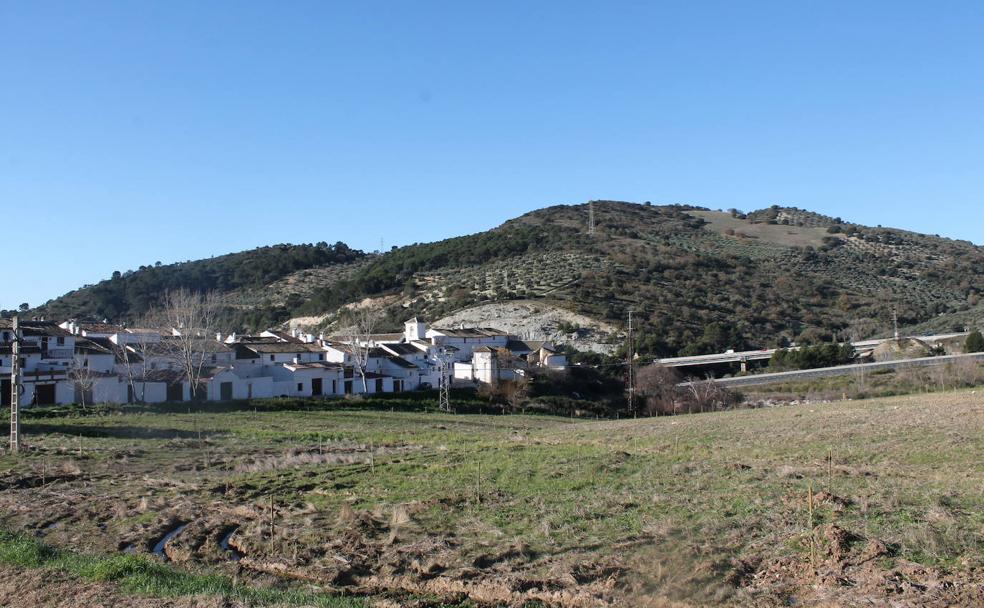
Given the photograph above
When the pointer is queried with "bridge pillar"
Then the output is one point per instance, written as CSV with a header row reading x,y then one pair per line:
x,y
744,366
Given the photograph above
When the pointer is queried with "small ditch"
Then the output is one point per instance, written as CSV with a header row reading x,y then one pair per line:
x,y
234,554
159,547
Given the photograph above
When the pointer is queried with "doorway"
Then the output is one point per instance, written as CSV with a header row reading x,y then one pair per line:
x,y
316,389
175,392
44,394
225,391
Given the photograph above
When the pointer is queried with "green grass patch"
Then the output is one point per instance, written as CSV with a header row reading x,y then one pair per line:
x,y
146,576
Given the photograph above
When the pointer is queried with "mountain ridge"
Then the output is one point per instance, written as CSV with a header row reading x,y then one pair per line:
x,y
697,279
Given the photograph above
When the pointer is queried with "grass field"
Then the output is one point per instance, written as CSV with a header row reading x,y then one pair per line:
x,y
347,504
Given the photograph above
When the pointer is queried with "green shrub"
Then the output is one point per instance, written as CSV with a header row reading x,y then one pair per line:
x,y
975,342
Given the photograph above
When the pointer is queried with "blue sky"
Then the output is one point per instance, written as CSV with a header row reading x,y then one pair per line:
x,y
132,132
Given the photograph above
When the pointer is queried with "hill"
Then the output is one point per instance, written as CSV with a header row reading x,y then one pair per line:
x,y
698,280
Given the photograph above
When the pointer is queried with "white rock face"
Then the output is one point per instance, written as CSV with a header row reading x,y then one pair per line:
x,y
536,320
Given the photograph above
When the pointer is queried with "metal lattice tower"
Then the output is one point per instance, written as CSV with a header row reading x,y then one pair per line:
x,y
15,391
444,400
591,219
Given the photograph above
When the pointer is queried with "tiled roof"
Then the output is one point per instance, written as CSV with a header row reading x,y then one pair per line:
x,y
473,332
169,344
93,346
101,328
36,328
284,347
314,365
170,376
402,349
401,362
524,345
286,337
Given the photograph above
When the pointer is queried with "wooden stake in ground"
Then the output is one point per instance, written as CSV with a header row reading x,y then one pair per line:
x,y
830,470
813,540
478,483
271,520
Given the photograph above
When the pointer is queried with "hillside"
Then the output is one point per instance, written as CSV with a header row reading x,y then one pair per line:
x,y
698,280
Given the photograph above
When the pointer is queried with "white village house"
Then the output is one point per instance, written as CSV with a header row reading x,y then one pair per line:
x,y
103,363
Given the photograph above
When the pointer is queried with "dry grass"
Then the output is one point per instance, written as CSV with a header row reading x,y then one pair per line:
x,y
707,509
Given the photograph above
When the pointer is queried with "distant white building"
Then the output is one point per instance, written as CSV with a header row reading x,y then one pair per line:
x,y
104,363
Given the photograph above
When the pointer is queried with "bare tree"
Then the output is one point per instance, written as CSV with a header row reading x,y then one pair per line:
x,y
83,378
192,315
657,385
516,392
362,323
860,377
708,396
133,355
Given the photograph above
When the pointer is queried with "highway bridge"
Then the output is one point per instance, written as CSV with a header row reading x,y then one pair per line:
x,y
841,370
864,347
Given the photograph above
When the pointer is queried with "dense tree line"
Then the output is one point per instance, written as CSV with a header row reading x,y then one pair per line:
x,y
127,295
812,357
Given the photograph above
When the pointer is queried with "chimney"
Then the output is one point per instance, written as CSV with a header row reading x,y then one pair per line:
x,y
218,336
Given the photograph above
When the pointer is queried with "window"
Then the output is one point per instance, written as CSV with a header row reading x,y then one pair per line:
x,y
61,341
321,357
271,357
300,387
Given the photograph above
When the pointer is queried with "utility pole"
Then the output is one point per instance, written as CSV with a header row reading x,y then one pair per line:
x,y
591,220
444,390
15,390
631,355
895,322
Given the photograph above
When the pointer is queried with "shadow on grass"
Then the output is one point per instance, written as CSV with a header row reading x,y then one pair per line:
x,y
420,401
116,432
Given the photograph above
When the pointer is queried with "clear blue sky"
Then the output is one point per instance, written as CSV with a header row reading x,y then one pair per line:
x,y
132,132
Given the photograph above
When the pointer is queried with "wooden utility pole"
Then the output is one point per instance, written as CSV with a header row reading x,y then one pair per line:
x,y
631,355
15,390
